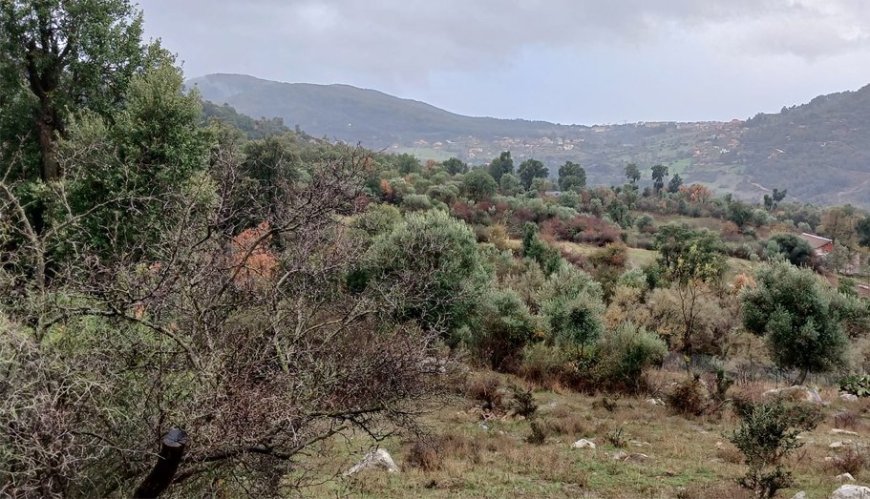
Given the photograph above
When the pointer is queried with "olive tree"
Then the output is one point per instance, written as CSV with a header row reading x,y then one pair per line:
x,y
793,310
429,269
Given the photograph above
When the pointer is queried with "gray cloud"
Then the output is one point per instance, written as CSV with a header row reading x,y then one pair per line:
x,y
409,37
401,45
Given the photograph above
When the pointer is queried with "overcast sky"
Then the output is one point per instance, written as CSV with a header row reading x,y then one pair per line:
x,y
568,61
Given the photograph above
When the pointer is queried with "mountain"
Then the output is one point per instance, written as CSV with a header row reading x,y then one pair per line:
x,y
353,114
819,151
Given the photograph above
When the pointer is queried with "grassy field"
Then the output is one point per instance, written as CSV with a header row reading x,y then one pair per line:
x,y
668,455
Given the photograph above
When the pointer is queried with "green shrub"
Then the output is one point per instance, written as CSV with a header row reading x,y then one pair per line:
x,y
523,402
625,353
416,202
690,397
504,327
378,219
544,363
767,434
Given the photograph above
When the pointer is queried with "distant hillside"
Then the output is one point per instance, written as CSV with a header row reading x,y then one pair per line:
x,y
819,151
354,114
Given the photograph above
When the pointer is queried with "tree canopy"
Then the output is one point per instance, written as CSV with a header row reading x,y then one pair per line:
x,y
531,169
572,176
501,165
59,55
792,310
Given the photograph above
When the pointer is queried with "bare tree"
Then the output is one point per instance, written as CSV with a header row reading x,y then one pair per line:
x,y
210,359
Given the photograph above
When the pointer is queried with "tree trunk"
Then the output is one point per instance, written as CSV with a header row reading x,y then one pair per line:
x,y
801,377
171,451
47,127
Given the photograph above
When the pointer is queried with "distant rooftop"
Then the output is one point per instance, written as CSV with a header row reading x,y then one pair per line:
x,y
815,241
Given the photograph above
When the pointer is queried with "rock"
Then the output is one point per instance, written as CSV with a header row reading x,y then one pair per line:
x,y
797,393
840,445
800,495
837,431
851,492
378,458
845,477
619,455
655,402
848,397
625,456
638,443
637,457
583,444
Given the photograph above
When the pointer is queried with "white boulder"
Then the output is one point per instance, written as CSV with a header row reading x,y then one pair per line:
x,y
583,444
378,458
851,492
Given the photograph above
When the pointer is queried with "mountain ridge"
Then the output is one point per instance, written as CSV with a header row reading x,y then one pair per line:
x,y
820,150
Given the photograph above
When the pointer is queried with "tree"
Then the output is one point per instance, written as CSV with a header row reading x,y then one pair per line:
x,y
659,172
503,328
772,201
134,164
795,249
531,169
510,185
455,166
692,260
794,312
619,213
407,163
740,213
572,305
501,165
675,184
61,55
838,223
863,230
572,177
430,269
686,253
539,251
632,173
479,184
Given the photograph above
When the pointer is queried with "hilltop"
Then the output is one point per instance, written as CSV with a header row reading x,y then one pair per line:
x,y
818,151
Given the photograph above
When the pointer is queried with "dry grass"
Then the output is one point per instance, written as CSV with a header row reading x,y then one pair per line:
x,y
689,457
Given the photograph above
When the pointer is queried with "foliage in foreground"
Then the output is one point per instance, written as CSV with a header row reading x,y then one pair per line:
x,y
767,434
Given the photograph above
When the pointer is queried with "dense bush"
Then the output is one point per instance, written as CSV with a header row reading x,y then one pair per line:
x,y
624,354
545,364
378,219
502,330
430,268
792,309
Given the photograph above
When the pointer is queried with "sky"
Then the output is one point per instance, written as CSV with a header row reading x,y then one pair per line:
x,y
566,61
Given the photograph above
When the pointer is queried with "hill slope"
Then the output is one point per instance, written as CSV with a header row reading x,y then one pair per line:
x,y
819,151
354,114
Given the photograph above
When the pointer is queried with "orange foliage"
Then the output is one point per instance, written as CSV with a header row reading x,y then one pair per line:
x,y
697,193
251,256
743,281
386,188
